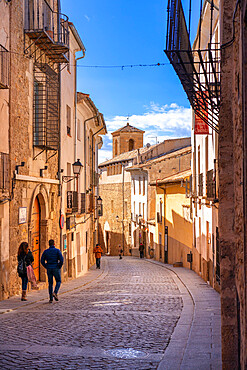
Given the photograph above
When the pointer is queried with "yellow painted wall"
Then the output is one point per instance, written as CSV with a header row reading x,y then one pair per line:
x,y
180,231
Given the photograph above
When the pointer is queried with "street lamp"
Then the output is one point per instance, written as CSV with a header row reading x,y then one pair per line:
x,y
77,166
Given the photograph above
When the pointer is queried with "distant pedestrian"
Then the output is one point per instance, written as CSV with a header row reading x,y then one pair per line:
x,y
98,251
52,260
25,258
141,250
120,251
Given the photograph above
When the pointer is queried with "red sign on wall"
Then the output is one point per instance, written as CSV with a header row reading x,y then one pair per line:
x,y
201,127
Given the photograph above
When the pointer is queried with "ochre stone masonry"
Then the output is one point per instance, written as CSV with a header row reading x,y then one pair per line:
x,y
233,186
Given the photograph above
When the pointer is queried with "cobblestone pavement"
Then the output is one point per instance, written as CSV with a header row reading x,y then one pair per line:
x,y
124,320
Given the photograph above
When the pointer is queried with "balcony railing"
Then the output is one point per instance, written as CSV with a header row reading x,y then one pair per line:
x,y
200,184
47,29
199,68
4,68
82,203
4,172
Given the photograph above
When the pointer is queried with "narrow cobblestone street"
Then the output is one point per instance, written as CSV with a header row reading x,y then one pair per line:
x,y
120,317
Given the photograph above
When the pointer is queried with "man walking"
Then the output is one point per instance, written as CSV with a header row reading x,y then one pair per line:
x,y
52,260
98,251
141,250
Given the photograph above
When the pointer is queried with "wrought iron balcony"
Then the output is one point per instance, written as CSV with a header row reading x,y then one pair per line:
x,y
47,30
4,68
197,67
200,184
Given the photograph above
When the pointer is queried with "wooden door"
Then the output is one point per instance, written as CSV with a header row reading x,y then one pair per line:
x,y
36,237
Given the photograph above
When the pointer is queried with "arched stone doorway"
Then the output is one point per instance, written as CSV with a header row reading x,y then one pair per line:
x,y
35,237
38,229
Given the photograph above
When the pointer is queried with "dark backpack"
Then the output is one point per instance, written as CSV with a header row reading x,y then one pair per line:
x,y
22,267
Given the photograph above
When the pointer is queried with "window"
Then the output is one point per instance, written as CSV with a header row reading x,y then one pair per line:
x,y
112,206
134,188
78,130
68,113
134,208
140,186
143,210
140,209
131,144
46,107
143,185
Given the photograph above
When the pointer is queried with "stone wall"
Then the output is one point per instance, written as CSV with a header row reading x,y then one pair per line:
x,y
113,203
232,189
21,149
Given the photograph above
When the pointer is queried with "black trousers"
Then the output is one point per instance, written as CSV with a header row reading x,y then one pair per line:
x,y
98,262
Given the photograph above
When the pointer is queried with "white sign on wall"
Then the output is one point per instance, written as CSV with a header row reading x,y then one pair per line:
x,y
22,215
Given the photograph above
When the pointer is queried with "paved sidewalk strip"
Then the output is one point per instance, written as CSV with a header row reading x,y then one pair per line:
x,y
196,340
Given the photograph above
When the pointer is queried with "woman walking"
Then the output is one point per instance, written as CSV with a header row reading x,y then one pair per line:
x,y
25,258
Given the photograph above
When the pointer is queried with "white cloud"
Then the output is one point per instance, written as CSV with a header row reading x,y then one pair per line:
x,y
163,122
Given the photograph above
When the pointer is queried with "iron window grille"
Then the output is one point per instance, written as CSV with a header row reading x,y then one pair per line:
x,y
89,202
4,68
4,172
200,184
74,202
198,69
83,203
47,30
46,109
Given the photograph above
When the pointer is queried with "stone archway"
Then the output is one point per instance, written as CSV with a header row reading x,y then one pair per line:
x,y
38,228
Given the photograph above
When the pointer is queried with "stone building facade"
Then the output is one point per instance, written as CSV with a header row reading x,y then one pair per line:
x,y
33,136
5,178
39,46
124,221
126,139
233,183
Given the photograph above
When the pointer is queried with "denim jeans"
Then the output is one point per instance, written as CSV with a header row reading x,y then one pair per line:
x,y
56,273
98,263
24,280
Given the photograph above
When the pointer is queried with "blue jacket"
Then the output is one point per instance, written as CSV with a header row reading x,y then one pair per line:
x,y
52,258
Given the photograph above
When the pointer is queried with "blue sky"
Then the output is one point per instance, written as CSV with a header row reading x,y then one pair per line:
x,y
122,32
